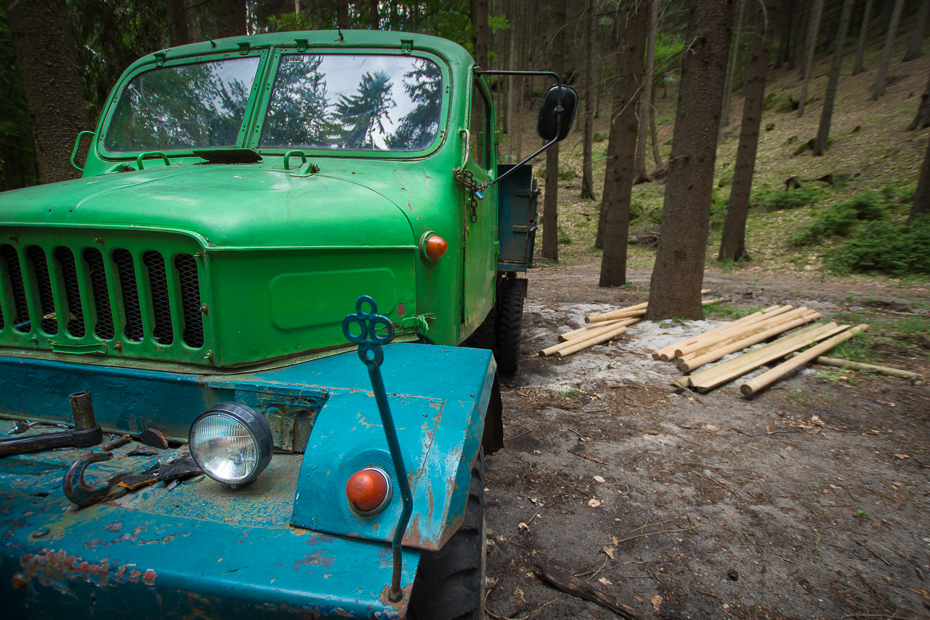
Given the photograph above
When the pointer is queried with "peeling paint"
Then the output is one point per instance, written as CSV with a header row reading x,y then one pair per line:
x,y
322,557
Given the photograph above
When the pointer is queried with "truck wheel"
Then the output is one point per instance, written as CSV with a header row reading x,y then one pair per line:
x,y
450,582
483,337
509,323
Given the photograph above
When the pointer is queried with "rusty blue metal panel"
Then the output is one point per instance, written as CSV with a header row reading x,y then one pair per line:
x,y
516,218
438,397
117,560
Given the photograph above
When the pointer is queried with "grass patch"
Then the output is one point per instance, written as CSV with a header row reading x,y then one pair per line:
x,y
842,219
726,312
885,247
786,199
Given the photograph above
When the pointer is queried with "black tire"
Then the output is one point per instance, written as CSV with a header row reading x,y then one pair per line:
x,y
511,293
484,336
449,584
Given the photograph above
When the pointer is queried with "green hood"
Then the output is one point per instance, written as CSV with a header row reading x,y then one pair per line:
x,y
227,205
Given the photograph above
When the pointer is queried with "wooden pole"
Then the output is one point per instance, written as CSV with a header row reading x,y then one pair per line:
x,y
587,328
706,380
882,370
616,314
765,322
665,353
739,345
589,342
767,378
593,333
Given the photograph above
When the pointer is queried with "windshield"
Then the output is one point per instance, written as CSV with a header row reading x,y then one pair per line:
x,y
361,102
183,107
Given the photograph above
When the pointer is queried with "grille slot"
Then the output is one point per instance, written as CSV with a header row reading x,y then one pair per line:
x,y
190,300
98,278
162,332
49,321
125,266
65,258
20,320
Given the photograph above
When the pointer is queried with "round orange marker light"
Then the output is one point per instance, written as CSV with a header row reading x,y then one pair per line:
x,y
435,247
369,490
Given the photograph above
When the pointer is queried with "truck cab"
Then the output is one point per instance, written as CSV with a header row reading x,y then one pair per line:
x,y
189,428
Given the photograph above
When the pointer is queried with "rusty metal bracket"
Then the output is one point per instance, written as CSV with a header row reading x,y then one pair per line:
x,y
81,493
369,351
86,431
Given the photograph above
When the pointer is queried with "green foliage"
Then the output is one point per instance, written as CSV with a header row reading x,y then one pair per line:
x,y
785,199
885,247
17,152
564,238
718,210
841,219
637,208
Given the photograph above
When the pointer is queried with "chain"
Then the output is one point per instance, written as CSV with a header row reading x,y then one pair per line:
x,y
466,178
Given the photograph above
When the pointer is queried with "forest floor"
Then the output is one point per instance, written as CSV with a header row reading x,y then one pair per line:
x,y
809,500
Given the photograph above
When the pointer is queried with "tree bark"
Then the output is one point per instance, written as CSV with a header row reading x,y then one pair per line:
x,y
550,247
731,71
675,288
479,18
923,112
177,23
733,241
920,31
656,155
44,47
886,52
232,18
645,102
342,14
618,177
813,30
374,21
858,67
823,133
587,168
921,204
784,28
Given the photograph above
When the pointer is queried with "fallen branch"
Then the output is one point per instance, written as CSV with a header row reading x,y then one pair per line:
x,y
882,370
691,527
570,584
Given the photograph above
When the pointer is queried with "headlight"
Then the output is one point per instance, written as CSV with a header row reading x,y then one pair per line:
x,y
231,443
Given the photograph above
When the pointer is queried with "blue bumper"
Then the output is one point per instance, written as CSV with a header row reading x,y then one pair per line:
x,y
285,545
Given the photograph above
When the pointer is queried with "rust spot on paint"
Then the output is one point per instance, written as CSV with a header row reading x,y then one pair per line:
x,y
19,582
148,578
321,557
114,527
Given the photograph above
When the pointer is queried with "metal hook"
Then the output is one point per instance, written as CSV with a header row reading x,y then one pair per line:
x,y
81,493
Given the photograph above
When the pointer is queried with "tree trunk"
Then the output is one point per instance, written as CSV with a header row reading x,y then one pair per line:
x,y
731,71
618,178
232,18
645,102
177,23
920,31
41,36
858,67
479,18
374,20
923,112
675,289
550,248
921,204
886,52
823,134
587,168
342,14
813,29
733,241
656,155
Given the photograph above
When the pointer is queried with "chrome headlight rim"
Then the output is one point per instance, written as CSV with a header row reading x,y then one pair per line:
x,y
258,429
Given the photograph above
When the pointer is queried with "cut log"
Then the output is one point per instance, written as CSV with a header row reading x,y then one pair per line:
x,y
589,342
786,313
592,333
745,332
625,313
882,370
767,378
587,328
665,353
739,345
721,373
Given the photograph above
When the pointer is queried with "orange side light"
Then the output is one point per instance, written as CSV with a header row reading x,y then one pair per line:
x,y
436,246
367,489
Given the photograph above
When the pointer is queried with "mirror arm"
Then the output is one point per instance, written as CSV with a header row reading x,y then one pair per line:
x,y
558,115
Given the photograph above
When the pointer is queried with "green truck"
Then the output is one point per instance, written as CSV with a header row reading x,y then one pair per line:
x,y
187,426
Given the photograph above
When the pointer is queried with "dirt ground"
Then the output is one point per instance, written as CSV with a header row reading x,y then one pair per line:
x,y
809,500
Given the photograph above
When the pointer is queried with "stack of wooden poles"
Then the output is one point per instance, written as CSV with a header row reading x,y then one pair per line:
x,y
692,353
601,328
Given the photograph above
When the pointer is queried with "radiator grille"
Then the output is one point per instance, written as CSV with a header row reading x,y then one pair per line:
x,y
84,295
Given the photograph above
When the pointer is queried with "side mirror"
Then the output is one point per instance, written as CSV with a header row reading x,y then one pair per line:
x,y
557,113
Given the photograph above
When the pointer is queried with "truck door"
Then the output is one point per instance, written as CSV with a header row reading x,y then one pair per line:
x,y
480,227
